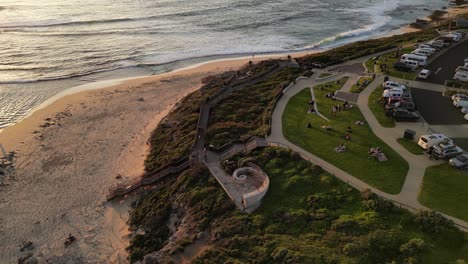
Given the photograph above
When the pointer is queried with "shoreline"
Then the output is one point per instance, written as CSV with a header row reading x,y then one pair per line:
x,y
72,163
107,83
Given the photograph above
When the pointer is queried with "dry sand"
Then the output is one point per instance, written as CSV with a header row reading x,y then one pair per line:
x,y
63,171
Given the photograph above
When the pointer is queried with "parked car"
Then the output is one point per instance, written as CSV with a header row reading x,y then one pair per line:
x,y
455,37
461,68
390,84
464,110
403,115
406,66
422,52
429,140
393,92
461,75
460,161
459,96
427,47
460,102
466,117
401,104
446,151
424,74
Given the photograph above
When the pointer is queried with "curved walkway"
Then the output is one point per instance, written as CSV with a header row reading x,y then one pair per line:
x,y
408,197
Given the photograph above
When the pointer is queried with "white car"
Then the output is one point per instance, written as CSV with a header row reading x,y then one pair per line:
x,y
460,102
424,74
464,110
459,96
455,36
390,84
461,75
466,117
427,47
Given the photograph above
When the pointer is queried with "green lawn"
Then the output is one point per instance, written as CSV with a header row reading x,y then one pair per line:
x,y
387,176
411,146
445,189
390,59
377,109
356,89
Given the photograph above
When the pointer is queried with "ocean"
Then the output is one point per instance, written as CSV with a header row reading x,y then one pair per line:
x,y
47,46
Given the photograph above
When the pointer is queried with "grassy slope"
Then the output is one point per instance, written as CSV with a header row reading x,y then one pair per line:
x,y
444,189
387,176
378,110
247,112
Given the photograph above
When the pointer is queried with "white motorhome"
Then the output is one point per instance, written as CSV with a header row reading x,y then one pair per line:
x,y
422,60
430,140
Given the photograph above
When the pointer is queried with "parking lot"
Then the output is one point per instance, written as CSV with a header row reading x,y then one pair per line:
x,y
447,63
437,109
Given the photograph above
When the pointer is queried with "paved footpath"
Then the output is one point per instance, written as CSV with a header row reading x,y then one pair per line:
x,y
408,197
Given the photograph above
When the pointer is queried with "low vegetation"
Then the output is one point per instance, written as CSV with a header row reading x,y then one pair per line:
x,y
363,48
411,146
307,216
175,135
247,112
376,106
444,189
361,84
387,176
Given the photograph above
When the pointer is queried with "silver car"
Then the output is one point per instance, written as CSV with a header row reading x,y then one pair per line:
x,y
460,161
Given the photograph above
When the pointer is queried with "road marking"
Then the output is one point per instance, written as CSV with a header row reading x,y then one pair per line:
x,y
438,70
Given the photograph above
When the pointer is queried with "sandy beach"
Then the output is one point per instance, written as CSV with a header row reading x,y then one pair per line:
x,y
69,152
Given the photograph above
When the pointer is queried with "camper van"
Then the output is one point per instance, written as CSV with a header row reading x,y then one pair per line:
x,y
430,140
422,60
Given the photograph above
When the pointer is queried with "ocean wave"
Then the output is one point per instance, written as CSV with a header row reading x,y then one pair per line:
x,y
47,24
379,19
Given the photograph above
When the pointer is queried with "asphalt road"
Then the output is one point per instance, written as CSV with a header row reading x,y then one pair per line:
x,y
447,63
436,109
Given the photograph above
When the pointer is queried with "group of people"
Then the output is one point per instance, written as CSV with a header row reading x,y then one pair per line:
x,y
312,107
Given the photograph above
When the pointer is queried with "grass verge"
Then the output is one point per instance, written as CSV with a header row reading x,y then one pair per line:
x,y
444,189
357,89
377,109
411,146
387,176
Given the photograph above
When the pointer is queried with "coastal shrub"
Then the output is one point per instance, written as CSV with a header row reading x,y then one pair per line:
x,y
413,247
246,112
174,136
432,222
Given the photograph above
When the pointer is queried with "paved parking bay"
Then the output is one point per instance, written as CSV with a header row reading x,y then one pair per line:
x,y
437,109
447,62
